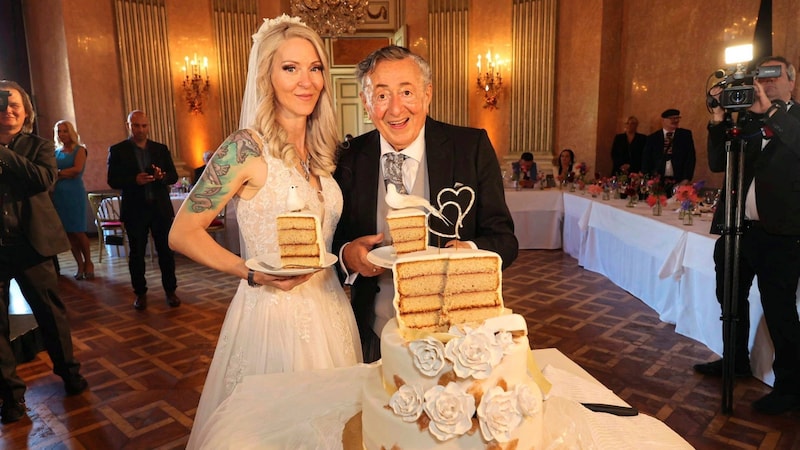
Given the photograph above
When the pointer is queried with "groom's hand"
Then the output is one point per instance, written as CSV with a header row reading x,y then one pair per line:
x,y
355,255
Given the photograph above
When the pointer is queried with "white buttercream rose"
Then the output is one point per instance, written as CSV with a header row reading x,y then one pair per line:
x,y
428,355
498,414
505,340
473,353
528,404
407,402
450,410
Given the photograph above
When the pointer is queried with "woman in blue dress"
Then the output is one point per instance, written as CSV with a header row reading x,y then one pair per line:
x,y
69,195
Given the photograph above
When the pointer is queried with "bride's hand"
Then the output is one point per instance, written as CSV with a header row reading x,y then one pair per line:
x,y
282,283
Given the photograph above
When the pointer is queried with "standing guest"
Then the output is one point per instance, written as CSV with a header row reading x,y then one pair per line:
x,y
396,93
278,322
69,195
562,167
29,238
143,170
627,148
770,241
669,152
525,170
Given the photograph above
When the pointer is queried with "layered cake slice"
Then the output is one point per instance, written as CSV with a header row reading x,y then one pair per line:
x,y
300,240
409,230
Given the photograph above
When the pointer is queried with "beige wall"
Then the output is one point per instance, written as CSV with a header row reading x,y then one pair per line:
x,y
614,58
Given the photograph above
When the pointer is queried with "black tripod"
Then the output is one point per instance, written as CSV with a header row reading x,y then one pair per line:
x,y
732,231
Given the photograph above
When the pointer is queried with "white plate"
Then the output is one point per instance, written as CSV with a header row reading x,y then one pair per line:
x,y
386,256
274,259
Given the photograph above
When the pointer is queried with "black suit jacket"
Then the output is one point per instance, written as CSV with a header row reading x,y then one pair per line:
x,y
776,170
683,154
123,166
623,152
28,170
453,155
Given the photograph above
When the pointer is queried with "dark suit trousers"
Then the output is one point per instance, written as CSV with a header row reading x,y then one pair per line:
x,y
149,221
775,259
38,282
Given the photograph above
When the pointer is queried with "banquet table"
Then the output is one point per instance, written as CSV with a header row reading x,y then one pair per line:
x,y
229,238
321,409
537,215
667,265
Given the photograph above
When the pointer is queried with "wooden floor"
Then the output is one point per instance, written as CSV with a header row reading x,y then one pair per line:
x,y
146,369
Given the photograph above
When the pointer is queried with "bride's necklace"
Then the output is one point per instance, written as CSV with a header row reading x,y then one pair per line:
x,y
306,165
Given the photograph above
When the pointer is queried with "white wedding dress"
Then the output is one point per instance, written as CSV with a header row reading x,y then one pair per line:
x,y
267,330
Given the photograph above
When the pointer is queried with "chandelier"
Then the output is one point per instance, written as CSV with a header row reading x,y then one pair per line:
x,y
490,81
331,18
195,86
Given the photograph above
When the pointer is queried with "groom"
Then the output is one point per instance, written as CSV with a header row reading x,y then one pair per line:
x,y
396,92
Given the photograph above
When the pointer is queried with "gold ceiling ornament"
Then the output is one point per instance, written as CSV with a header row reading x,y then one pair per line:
x,y
331,18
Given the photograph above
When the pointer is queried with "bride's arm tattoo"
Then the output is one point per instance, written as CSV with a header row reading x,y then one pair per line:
x,y
221,170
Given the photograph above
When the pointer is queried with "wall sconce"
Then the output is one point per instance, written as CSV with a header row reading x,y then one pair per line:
x,y
490,81
195,87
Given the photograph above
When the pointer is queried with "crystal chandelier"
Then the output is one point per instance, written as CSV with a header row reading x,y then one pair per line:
x,y
331,18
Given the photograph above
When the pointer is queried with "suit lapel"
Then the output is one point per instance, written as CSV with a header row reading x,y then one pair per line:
x,y
440,156
367,167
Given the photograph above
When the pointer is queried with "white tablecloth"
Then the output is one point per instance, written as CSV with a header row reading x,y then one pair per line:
x,y
668,265
309,410
537,215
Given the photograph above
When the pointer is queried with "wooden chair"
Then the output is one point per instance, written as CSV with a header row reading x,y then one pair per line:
x,y
106,218
219,224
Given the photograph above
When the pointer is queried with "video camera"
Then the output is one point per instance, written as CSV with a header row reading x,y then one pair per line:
x,y
4,99
737,86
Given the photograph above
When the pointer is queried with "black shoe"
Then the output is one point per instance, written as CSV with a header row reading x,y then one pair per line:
x,y
75,385
173,300
12,411
140,303
714,369
776,403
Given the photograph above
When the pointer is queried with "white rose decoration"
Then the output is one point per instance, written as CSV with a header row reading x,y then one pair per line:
x,y
474,353
498,415
505,340
428,355
407,402
450,410
527,403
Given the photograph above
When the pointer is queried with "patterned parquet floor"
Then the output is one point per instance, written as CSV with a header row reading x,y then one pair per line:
x,y
146,369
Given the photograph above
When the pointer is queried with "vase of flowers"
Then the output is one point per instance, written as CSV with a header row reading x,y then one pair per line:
x,y
657,197
686,196
595,190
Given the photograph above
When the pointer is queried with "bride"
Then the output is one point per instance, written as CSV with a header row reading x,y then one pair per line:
x,y
288,138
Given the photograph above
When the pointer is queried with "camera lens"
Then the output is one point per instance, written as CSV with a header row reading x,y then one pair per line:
x,y
738,97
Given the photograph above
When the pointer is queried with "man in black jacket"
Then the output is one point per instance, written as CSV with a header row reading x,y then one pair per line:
x,y
770,242
30,236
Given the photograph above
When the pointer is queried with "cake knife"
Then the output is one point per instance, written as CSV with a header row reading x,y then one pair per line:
x,y
612,409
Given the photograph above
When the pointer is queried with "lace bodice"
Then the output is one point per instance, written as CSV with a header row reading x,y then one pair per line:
x,y
257,216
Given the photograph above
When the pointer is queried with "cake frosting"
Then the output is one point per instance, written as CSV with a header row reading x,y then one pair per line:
x,y
467,388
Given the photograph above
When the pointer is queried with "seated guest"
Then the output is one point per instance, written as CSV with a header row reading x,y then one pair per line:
x,y
525,170
562,167
199,171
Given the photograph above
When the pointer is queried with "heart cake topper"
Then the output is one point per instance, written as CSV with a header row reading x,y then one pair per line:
x,y
448,199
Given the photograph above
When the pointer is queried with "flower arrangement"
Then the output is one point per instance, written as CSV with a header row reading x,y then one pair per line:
x,y
657,193
581,170
686,195
595,189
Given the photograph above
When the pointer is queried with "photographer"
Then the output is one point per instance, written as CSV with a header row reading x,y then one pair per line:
x,y
31,234
770,241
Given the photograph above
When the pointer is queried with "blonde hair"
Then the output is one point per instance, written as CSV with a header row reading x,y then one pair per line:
x,y
73,134
321,134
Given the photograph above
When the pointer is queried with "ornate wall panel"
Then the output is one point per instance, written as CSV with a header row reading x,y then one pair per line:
x,y
448,22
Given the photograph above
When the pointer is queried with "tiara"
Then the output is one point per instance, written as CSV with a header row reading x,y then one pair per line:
x,y
269,23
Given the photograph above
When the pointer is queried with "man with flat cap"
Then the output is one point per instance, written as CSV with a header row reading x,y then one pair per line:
x,y
669,152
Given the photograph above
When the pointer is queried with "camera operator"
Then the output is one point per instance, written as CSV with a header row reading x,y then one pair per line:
x,y
31,234
770,241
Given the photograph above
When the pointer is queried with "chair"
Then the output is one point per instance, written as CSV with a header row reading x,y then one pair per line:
x,y
219,224
106,218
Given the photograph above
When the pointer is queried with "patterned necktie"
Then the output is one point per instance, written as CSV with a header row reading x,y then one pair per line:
x,y
668,145
393,170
